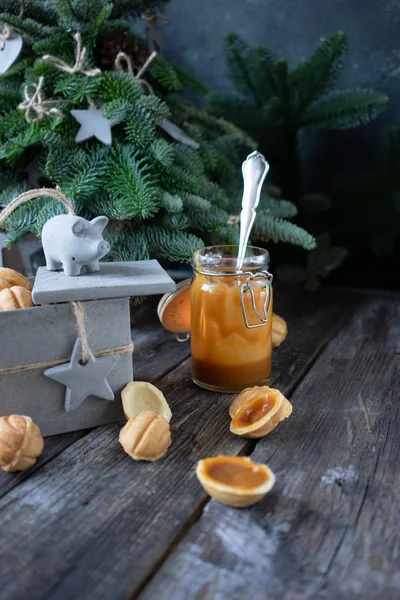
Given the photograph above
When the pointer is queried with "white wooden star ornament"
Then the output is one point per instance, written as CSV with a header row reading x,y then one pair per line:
x,y
85,380
93,124
10,47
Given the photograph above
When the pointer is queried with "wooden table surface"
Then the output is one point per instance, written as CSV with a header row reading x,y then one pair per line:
x,y
89,522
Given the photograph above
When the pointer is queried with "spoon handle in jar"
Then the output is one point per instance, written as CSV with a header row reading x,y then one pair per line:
x,y
254,169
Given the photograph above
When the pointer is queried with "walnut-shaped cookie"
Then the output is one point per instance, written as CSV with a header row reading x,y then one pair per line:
x,y
279,330
257,411
147,436
9,278
15,297
235,480
20,443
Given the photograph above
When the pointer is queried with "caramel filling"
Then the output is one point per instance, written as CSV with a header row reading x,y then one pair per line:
x,y
254,411
225,353
235,472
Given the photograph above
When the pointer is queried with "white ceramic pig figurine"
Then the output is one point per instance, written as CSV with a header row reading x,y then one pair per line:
x,y
71,243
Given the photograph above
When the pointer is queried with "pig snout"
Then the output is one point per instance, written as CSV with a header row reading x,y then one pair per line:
x,y
103,248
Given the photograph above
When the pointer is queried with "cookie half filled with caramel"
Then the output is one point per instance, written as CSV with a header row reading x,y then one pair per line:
x,y
235,480
257,411
174,308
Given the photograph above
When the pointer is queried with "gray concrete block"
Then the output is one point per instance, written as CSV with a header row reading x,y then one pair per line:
x,y
48,333
114,280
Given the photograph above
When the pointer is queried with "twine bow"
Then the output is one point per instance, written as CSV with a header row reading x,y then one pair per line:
x,y
34,107
58,63
124,64
5,35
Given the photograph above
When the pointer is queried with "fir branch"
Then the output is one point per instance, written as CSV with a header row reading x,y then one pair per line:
x,y
261,64
210,220
172,204
162,152
236,52
267,227
77,88
88,175
139,130
188,158
131,185
188,81
345,109
120,86
193,202
23,219
67,17
48,208
166,75
154,108
312,77
127,245
176,221
94,25
277,207
174,246
61,41
116,111
29,27
11,191
32,135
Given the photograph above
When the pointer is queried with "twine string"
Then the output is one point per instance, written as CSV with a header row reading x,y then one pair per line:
x,y
145,65
124,64
92,103
30,195
128,349
77,307
34,107
5,35
80,55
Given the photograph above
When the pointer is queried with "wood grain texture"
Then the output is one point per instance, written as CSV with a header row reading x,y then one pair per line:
x,y
92,523
151,341
329,528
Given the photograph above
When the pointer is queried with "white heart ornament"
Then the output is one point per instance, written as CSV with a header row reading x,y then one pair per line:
x,y
10,52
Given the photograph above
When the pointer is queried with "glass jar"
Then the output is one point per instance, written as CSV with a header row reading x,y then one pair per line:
x,y
231,318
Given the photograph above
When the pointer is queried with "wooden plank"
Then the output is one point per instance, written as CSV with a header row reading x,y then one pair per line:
x,y
150,340
111,519
329,529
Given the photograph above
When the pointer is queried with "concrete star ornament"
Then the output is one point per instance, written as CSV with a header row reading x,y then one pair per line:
x,y
93,124
84,380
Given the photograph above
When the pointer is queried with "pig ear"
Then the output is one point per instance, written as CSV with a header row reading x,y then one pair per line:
x,y
78,227
100,223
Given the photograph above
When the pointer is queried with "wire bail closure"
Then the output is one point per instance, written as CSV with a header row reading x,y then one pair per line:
x,y
267,278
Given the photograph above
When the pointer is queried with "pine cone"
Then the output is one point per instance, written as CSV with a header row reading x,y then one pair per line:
x,y
108,48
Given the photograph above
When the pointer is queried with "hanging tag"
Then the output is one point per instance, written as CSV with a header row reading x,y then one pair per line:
x,y
178,134
10,52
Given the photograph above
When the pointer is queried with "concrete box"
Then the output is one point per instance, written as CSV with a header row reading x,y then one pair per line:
x,y
47,333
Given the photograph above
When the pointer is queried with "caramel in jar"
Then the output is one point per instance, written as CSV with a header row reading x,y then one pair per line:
x,y
226,354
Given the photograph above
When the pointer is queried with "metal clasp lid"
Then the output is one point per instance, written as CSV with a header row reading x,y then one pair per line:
x,y
267,278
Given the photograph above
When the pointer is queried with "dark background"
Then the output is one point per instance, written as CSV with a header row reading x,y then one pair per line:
x,y
292,28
